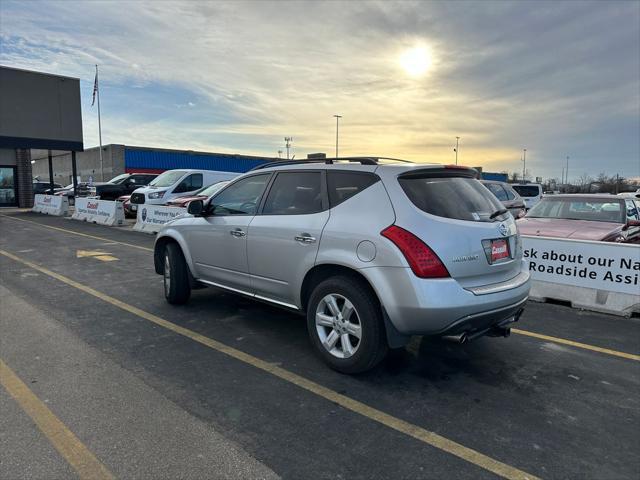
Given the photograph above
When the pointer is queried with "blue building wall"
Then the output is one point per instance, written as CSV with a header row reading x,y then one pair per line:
x,y
156,161
500,177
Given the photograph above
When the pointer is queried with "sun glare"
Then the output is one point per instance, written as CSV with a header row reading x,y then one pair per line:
x,y
416,61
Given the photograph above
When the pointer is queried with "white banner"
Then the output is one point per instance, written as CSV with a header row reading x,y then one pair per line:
x,y
614,267
51,204
104,212
151,218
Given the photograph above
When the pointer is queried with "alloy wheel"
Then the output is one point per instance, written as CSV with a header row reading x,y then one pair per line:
x,y
338,325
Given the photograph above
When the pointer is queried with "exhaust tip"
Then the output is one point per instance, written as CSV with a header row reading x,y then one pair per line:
x,y
460,338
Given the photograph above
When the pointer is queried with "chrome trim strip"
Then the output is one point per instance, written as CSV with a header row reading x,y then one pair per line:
x,y
236,290
277,302
515,282
252,295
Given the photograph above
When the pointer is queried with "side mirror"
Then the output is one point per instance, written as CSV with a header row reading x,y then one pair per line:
x,y
195,208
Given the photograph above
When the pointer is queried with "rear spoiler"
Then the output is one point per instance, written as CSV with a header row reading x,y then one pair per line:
x,y
444,171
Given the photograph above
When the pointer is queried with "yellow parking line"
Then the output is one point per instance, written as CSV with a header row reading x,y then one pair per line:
x,y
65,442
419,433
593,348
51,227
563,341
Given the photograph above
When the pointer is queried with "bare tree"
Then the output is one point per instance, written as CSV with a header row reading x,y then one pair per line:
x,y
584,183
609,184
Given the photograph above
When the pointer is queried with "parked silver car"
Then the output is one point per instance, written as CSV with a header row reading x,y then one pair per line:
x,y
370,252
511,200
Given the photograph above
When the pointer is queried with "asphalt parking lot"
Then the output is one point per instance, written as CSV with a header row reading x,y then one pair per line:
x,y
102,378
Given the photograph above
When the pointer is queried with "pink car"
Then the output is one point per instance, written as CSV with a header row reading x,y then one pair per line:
x,y
202,194
604,218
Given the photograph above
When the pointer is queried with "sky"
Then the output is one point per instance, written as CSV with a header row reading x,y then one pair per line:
x,y
557,78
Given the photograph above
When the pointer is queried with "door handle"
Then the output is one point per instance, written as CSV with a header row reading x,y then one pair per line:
x,y
305,238
237,233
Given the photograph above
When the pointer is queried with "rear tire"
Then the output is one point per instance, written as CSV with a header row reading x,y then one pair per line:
x,y
177,285
354,340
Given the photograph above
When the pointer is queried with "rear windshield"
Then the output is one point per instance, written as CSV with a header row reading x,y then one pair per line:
x,y
452,197
595,210
167,178
527,190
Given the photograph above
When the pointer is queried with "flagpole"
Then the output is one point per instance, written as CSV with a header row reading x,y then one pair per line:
x,y
99,125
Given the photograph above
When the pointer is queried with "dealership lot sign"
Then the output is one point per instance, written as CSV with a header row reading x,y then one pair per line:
x,y
104,212
151,218
51,205
603,276
602,265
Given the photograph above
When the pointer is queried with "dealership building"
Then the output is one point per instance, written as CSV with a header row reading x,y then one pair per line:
x,y
118,159
37,110
41,138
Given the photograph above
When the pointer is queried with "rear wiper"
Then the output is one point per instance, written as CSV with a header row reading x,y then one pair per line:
x,y
499,212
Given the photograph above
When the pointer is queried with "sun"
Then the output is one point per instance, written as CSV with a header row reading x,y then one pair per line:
x,y
416,61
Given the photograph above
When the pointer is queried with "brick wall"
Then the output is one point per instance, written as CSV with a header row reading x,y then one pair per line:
x,y
24,181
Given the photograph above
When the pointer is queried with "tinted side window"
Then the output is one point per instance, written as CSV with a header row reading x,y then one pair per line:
x,y
527,190
242,197
497,190
344,185
141,179
196,181
192,182
294,193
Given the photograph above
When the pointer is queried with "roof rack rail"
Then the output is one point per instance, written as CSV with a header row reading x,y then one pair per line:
x,y
329,161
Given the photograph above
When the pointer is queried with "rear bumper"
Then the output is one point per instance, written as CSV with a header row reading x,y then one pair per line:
x,y
479,323
418,306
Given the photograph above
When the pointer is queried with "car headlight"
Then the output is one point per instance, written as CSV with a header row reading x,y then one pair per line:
x,y
156,194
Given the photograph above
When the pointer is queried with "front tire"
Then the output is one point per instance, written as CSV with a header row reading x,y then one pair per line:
x,y
345,325
177,285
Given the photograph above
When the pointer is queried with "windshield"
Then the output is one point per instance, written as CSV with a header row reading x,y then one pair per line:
x,y
167,179
527,190
452,197
596,210
119,179
211,189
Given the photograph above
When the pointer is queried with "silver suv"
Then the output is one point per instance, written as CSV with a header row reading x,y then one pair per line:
x,y
371,252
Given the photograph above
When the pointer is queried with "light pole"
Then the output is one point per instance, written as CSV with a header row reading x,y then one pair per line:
x,y
567,171
287,144
457,148
337,117
524,166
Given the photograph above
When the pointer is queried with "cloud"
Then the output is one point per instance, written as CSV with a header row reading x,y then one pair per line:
x,y
546,76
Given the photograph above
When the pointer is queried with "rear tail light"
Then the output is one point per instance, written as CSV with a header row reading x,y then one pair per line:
x,y
422,260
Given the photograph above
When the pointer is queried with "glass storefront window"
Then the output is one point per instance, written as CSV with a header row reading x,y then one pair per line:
x,y
7,186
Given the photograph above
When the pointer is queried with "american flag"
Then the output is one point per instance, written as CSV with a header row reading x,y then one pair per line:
x,y
95,89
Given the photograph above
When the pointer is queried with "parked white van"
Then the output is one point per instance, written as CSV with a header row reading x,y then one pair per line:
x,y
177,183
531,193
